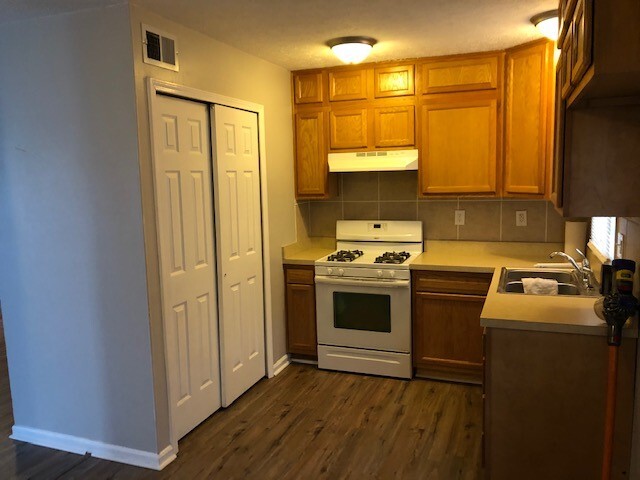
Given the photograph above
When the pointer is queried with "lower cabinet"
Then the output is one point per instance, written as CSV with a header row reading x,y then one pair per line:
x,y
545,405
447,336
300,296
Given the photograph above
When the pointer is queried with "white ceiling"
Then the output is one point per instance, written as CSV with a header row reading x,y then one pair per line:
x,y
292,33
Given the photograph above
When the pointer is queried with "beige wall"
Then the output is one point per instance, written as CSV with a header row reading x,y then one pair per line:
x,y
209,65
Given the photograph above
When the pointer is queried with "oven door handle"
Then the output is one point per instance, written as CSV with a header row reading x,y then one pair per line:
x,y
354,282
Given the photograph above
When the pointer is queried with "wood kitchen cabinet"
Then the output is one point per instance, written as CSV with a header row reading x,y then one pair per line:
x,y
348,128
528,119
393,81
602,49
461,73
311,170
459,150
450,108
447,336
581,39
347,85
545,403
596,147
307,87
394,126
300,297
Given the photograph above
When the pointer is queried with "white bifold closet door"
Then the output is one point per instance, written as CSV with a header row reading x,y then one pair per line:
x,y
239,247
182,164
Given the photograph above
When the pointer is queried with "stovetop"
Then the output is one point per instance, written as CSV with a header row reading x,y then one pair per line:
x,y
376,249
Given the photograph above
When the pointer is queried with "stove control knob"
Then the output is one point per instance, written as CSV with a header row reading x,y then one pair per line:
x,y
379,273
329,270
392,273
341,271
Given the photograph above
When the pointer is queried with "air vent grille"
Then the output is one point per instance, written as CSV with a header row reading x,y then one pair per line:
x,y
159,48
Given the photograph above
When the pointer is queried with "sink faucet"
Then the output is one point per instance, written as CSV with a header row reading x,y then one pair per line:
x,y
584,269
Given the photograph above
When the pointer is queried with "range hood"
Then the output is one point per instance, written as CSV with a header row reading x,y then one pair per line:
x,y
381,161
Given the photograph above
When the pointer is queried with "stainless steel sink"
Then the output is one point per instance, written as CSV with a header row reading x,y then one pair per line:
x,y
517,274
568,281
563,288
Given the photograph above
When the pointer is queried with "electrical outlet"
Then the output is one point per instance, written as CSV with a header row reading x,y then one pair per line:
x,y
459,217
521,218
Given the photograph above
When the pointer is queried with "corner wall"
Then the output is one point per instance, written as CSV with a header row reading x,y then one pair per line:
x,y
210,65
72,267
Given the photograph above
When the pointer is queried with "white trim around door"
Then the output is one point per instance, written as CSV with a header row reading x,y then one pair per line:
x,y
155,87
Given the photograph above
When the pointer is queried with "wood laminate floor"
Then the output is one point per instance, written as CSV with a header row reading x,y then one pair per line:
x,y
303,424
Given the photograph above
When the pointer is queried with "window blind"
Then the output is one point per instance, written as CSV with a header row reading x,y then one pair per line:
x,y
603,235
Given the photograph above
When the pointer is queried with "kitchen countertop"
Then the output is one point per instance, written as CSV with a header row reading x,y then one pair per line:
x,y
544,313
307,256
482,257
561,314
308,251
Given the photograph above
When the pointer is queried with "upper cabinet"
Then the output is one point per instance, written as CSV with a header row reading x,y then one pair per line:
x,y
602,49
311,161
461,125
348,128
481,128
528,110
348,85
307,88
459,146
595,164
393,81
394,126
480,72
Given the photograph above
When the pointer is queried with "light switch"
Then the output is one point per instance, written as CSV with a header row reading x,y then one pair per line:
x,y
521,218
459,217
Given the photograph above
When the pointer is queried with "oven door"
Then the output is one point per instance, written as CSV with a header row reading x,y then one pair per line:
x,y
364,313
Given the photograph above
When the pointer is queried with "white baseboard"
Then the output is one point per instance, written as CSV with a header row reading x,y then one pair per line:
x,y
106,451
281,364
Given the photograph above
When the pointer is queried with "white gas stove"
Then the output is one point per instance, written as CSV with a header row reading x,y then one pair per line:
x,y
363,298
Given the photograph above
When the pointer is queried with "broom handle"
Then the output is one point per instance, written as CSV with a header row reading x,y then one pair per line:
x,y
610,412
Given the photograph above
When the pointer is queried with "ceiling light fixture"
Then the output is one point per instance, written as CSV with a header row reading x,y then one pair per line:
x,y
547,23
352,49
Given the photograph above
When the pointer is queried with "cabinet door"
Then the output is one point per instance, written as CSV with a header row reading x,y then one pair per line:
x,y
459,146
393,81
348,85
311,159
307,87
557,170
348,128
447,331
301,319
526,119
581,48
566,89
394,126
461,74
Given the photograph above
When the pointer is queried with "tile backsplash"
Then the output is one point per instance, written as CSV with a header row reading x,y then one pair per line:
x,y
393,196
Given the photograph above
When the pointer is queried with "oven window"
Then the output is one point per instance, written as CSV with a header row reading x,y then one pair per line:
x,y
362,311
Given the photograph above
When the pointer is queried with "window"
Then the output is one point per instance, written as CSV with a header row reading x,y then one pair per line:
x,y
603,235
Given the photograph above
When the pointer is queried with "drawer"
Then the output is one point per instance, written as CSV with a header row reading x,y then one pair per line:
x,y
299,275
452,282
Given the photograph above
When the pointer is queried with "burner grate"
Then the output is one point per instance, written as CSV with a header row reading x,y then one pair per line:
x,y
392,257
344,256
